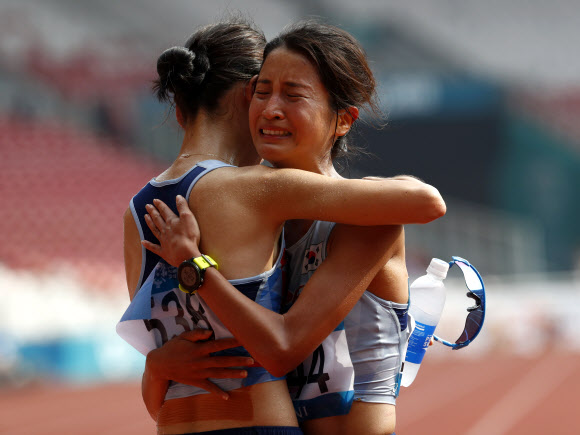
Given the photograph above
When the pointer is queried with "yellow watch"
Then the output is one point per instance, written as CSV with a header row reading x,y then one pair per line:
x,y
191,272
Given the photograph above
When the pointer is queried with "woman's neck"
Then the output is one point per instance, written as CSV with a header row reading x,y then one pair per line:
x,y
218,139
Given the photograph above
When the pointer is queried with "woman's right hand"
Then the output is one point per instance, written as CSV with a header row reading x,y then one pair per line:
x,y
178,235
187,359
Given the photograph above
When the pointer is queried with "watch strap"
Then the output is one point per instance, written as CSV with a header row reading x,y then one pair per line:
x,y
204,261
185,290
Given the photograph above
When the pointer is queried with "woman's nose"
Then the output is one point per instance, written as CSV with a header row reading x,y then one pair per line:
x,y
273,109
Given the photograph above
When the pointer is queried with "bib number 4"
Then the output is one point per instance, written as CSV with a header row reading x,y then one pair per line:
x,y
297,379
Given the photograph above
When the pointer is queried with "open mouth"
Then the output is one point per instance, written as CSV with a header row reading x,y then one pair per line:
x,y
276,133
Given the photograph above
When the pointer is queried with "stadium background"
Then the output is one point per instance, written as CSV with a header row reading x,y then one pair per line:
x,y
482,101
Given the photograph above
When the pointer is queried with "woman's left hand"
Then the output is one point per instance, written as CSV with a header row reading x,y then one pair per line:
x,y
178,235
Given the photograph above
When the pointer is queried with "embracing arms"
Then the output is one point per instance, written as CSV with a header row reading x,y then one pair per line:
x,y
277,195
279,342
295,194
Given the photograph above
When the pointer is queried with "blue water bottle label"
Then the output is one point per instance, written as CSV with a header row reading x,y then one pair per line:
x,y
419,342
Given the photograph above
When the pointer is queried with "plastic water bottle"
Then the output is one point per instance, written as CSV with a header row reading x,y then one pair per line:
x,y
427,302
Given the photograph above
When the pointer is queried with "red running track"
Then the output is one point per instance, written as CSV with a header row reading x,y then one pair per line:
x,y
500,395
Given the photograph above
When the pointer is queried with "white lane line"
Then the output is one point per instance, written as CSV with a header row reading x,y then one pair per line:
x,y
531,389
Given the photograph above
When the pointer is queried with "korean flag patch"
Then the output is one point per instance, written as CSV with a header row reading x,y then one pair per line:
x,y
312,258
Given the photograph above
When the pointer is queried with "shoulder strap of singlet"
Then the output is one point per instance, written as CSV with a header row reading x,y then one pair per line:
x,y
191,177
166,191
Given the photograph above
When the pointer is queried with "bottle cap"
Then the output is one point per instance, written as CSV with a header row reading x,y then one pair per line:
x,y
438,268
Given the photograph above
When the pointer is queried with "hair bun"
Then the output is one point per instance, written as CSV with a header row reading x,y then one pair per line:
x,y
175,59
181,68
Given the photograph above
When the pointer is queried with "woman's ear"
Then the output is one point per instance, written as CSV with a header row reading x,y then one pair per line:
x,y
250,88
346,117
180,117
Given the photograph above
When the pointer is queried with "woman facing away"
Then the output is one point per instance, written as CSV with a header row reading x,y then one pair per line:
x,y
241,212
306,97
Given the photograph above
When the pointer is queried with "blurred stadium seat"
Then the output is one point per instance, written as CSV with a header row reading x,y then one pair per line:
x,y
64,193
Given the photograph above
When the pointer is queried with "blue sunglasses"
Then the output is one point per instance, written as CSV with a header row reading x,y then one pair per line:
x,y
476,313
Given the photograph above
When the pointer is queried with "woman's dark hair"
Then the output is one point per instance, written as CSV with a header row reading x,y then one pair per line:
x,y
213,59
341,63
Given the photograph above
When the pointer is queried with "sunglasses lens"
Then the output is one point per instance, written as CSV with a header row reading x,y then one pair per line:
x,y
471,278
474,319
472,325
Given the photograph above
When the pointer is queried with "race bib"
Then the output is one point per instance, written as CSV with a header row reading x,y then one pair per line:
x,y
322,386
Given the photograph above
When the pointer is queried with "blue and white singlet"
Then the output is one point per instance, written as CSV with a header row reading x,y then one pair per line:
x,y
376,333
321,386
160,311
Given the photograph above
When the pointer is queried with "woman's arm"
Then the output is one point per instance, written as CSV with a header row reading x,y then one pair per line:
x,y
280,341
132,252
294,194
186,359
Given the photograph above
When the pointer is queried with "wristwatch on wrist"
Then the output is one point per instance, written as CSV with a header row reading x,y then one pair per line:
x,y
191,272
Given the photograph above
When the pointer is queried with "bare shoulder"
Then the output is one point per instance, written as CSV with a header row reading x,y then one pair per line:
x,y
265,174
237,196
256,185
130,230
236,178
278,177
128,215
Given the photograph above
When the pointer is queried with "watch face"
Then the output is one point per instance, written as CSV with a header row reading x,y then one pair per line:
x,y
189,276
